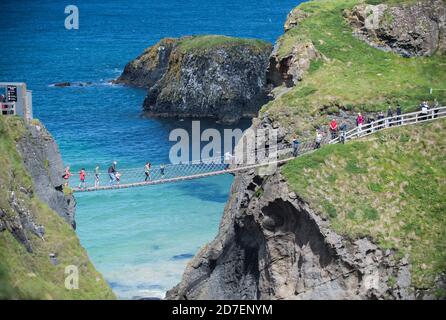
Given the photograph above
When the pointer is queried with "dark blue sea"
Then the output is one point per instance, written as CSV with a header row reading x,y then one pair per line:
x,y
139,239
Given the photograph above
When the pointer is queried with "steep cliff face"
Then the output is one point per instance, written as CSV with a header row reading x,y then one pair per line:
x,y
203,76
274,246
414,29
349,221
42,160
37,240
290,60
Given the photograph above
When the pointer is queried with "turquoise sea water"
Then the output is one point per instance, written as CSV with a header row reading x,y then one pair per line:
x,y
139,239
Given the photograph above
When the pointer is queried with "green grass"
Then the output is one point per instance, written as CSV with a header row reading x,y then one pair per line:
x,y
25,275
354,76
390,191
204,42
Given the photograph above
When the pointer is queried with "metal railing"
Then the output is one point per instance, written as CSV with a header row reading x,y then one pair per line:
x,y
390,122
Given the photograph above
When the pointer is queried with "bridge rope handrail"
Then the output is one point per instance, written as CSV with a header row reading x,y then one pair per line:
x,y
217,166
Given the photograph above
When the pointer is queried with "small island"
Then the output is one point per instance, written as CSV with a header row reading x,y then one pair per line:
x,y
202,76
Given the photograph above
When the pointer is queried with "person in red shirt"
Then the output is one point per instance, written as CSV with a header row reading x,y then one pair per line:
x,y
359,120
333,128
82,175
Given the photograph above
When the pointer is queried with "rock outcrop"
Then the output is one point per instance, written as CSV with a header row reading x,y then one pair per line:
x,y
288,68
203,76
274,246
294,18
42,160
414,29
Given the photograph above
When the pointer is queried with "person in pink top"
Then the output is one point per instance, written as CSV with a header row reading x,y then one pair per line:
x,y
359,120
66,176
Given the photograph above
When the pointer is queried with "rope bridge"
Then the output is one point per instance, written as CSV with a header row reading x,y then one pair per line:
x,y
135,177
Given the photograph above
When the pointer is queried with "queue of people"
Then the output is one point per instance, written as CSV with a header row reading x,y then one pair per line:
x,y
391,118
113,174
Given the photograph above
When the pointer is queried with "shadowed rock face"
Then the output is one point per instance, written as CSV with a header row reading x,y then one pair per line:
x,y
224,81
417,29
289,70
275,247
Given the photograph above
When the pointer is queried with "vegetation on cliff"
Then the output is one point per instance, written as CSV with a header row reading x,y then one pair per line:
x,y
203,42
390,186
27,272
352,76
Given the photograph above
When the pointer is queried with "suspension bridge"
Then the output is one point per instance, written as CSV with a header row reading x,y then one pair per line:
x,y
135,177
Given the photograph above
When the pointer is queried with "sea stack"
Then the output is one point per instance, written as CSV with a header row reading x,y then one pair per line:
x,y
202,77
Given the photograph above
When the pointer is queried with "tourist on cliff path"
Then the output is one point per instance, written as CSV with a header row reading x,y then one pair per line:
x,y
359,120
228,159
343,129
389,116
436,106
398,114
333,129
318,140
424,110
295,146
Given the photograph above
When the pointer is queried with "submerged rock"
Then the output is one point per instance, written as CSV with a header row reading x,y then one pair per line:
x,y
203,76
62,84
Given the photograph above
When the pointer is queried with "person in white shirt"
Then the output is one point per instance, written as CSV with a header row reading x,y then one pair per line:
x,y
318,139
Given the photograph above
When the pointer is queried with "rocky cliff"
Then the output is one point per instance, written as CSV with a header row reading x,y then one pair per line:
x,y
202,76
37,240
275,246
42,160
347,222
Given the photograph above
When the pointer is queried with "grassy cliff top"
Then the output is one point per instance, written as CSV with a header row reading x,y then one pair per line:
x,y
390,186
25,275
205,42
354,76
